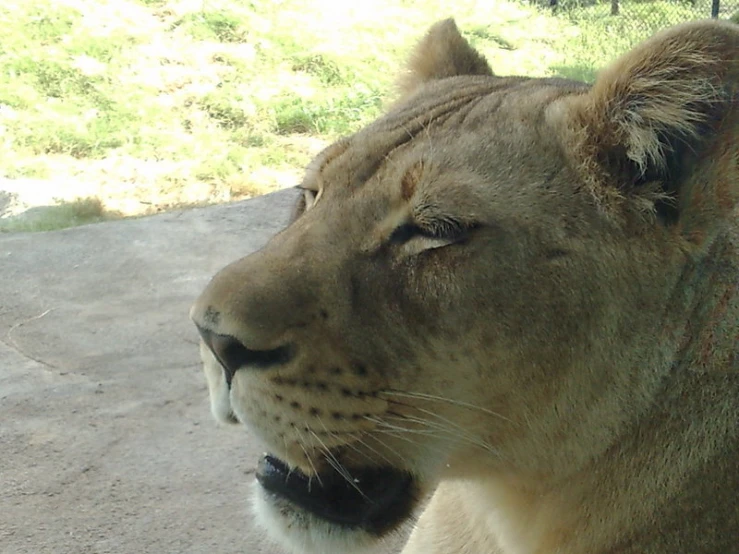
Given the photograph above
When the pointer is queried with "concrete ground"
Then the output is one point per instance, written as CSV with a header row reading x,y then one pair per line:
x,y
106,439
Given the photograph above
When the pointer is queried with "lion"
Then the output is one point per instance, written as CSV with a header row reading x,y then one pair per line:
x,y
508,305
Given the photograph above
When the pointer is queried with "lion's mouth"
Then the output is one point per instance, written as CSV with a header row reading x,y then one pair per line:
x,y
375,499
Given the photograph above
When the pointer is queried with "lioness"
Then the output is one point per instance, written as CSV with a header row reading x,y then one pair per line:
x,y
516,296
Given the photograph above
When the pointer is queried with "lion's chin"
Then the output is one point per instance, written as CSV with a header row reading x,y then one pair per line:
x,y
333,514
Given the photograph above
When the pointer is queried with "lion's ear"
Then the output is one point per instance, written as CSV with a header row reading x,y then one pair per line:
x,y
660,124
442,53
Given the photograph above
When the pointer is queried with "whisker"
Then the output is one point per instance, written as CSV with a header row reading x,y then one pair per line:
x,y
407,430
430,397
431,424
456,432
313,467
284,442
383,423
384,445
373,450
413,439
399,435
356,435
449,428
445,420
301,442
340,469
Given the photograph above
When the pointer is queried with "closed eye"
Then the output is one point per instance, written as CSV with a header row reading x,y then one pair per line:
x,y
406,232
441,234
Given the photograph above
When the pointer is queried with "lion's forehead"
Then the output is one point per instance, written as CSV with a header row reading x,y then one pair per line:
x,y
469,121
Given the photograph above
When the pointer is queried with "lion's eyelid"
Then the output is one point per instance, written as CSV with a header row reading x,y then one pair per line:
x,y
451,228
449,231
405,232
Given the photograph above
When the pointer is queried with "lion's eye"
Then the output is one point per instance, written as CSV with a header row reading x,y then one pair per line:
x,y
442,234
406,232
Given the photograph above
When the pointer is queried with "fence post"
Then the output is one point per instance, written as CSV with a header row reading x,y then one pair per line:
x,y
614,6
714,8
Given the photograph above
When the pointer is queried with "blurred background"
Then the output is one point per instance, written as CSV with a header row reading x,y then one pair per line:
x,y
120,108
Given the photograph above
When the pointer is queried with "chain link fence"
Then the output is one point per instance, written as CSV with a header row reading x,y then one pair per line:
x,y
645,17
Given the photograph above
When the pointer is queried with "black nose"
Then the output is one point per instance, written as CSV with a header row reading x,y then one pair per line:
x,y
233,355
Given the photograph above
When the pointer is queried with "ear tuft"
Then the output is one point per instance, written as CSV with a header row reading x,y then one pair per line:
x,y
655,115
442,53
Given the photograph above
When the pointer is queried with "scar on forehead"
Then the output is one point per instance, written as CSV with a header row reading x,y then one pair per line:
x,y
410,180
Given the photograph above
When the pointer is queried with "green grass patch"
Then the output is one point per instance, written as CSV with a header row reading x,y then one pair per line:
x,y
166,103
224,108
220,26
46,23
330,115
51,218
55,79
329,72
602,37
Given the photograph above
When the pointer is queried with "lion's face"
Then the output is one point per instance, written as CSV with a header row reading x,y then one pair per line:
x,y
453,273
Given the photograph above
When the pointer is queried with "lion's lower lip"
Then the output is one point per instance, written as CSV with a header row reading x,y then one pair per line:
x,y
378,500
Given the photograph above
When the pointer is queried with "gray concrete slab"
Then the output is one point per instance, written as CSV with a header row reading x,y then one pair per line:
x,y
106,439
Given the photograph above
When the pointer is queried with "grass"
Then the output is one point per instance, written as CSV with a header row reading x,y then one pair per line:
x,y
601,37
150,104
64,214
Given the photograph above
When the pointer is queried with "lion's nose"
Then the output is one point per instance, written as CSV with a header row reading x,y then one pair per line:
x,y
233,355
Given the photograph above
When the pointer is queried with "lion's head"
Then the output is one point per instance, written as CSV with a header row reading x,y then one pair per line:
x,y
479,281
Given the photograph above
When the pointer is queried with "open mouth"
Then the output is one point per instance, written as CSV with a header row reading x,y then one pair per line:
x,y
374,499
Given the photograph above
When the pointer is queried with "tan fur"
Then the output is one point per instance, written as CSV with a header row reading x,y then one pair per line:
x,y
524,293
442,53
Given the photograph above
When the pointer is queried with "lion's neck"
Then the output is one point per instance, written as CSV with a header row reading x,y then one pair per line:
x,y
653,452
710,305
